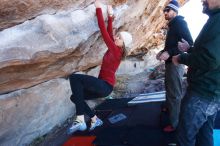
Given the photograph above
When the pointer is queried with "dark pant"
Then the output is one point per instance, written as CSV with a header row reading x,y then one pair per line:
x,y
86,87
173,86
196,121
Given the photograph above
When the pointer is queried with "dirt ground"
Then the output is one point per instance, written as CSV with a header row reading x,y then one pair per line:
x,y
151,80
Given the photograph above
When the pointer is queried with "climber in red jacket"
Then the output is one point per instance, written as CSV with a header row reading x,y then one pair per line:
x,y
88,87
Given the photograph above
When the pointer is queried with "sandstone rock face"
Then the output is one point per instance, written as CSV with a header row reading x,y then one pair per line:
x,y
14,12
55,45
26,114
138,65
47,47
44,40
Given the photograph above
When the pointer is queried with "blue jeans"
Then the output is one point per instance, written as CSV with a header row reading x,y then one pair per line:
x,y
196,121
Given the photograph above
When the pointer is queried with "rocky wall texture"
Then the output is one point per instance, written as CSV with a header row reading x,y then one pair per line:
x,y
27,114
55,45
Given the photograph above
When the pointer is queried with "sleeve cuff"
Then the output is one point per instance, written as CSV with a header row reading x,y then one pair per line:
x,y
98,9
183,58
169,52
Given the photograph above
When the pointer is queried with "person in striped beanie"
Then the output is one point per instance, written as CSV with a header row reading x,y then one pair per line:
x,y
174,5
177,30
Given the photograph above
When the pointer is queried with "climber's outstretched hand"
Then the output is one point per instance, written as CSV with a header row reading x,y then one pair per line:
x,y
97,4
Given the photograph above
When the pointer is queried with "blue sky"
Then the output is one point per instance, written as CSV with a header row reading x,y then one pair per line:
x,y
192,11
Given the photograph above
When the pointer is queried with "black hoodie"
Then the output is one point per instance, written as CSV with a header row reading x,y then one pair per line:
x,y
177,30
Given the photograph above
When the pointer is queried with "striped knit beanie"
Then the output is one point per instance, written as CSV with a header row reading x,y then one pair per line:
x,y
174,5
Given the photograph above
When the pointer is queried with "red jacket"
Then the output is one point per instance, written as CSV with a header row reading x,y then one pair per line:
x,y
113,56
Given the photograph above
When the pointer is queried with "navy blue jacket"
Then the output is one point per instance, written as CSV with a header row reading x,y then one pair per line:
x,y
177,30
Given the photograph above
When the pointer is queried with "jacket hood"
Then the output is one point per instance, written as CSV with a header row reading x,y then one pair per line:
x,y
175,19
